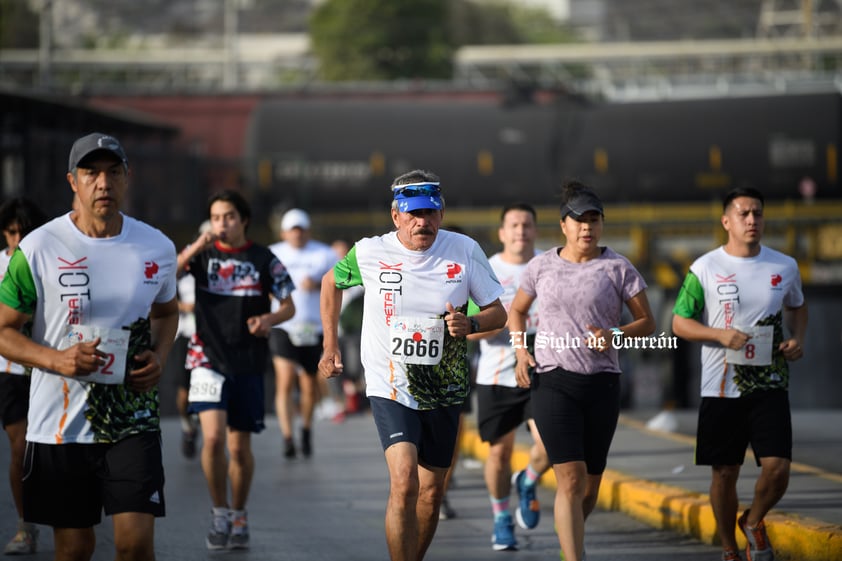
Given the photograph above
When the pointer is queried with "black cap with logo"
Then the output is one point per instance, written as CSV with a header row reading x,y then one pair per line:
x,y
582,200
94,142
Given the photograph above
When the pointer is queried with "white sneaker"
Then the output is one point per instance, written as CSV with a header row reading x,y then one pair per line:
x,y
25,540
220,531
239,538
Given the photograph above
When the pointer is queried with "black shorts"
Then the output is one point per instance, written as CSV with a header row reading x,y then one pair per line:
x,y
69,485
176,362
307,356
728,425
576,415
14,398
468,404
500,410
432,431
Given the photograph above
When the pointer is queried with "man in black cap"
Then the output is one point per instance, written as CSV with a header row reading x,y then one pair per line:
x,y
98,288
96,143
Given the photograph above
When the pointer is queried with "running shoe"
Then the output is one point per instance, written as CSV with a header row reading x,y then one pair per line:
x,y
584,555
25,540
504,534
731,555
239,531
219,532
306,445
289,448
758,547
528,511
446,512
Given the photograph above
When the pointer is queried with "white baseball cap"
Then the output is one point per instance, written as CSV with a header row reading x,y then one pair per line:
x,y
295,218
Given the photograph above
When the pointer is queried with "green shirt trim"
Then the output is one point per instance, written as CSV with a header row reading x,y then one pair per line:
x,y
691,298
346,272
18,287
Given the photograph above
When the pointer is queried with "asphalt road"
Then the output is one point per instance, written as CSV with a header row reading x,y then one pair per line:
x,y
330,507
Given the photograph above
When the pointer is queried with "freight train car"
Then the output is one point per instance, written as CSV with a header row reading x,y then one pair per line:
x,y
342,153
695,150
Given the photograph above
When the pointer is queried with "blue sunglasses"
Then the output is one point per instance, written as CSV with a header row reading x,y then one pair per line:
x,y
417,190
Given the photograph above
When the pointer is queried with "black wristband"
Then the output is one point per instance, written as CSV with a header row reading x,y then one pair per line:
x,y
474,324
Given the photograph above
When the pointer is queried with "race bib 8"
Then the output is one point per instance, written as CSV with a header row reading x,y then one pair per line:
x,y
416,340
757,351
113,342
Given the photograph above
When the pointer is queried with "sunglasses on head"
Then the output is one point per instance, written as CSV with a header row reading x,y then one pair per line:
x,y
427,189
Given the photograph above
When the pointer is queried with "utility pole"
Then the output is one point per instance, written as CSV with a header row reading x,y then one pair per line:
x,y
230,71
45,45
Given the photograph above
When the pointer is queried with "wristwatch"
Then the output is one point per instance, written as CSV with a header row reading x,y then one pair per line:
x,y
474,325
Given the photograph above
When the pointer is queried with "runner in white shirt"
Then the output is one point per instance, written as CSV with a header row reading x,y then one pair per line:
x,y
736,301
100,290
417,282
502,406
296,344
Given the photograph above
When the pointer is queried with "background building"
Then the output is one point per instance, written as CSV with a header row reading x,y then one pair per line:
x,y
662,105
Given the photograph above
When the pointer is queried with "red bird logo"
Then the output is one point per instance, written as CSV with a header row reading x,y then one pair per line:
x,y
226,272
776,280
151,269
453,269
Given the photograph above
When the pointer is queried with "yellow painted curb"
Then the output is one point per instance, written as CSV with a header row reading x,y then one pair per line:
x,y
679,510
661,506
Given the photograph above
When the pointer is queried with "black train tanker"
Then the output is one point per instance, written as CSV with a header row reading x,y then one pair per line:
x,y
340,153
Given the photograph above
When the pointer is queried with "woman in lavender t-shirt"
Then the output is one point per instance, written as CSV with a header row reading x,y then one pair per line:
x,y
581,288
